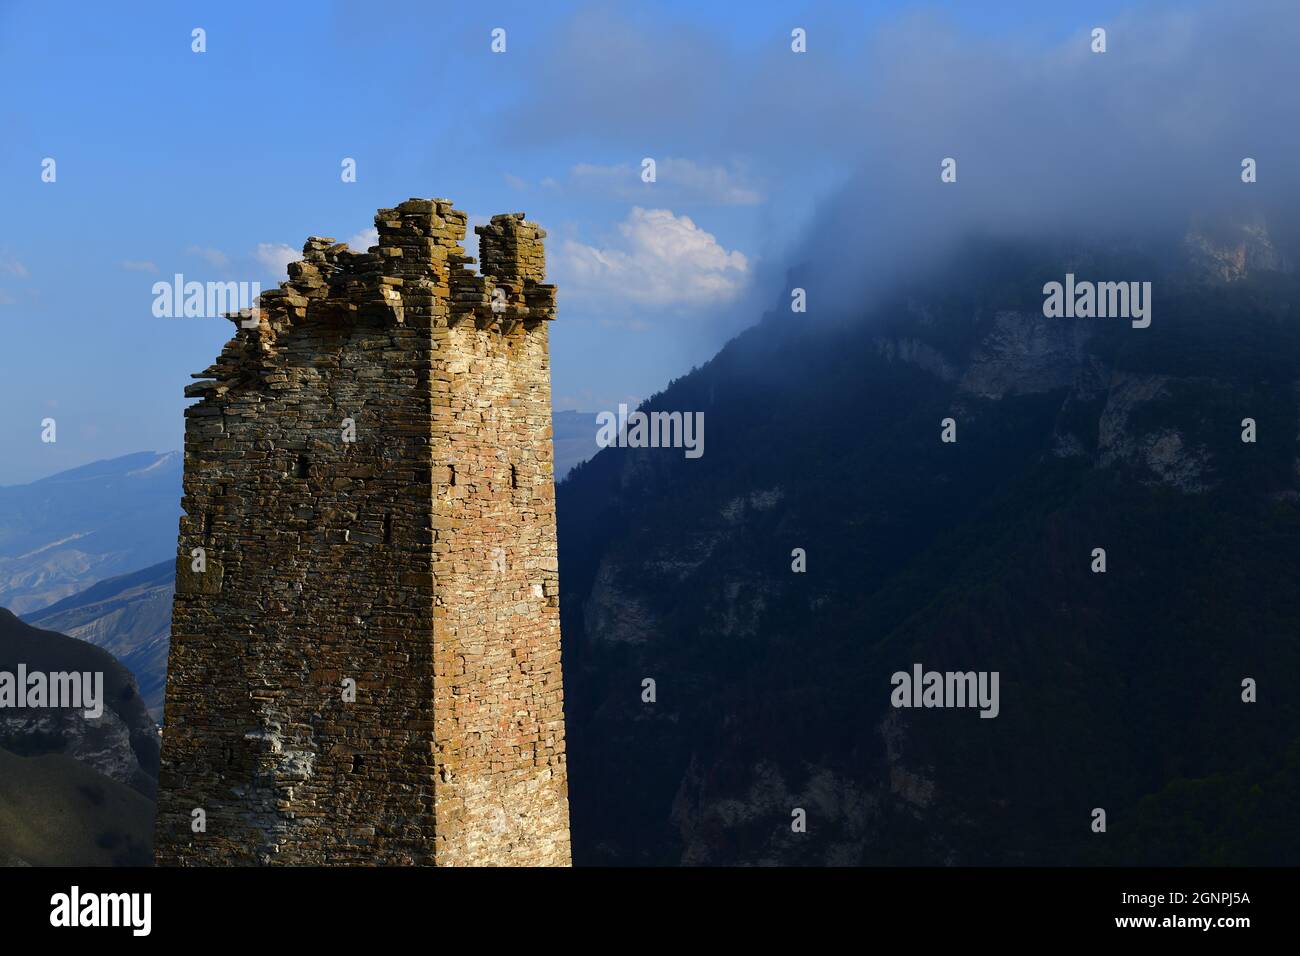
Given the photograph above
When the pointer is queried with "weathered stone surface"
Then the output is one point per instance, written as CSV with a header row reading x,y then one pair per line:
x,y
418,561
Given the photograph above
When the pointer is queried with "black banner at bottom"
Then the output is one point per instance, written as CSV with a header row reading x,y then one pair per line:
x,y
297,905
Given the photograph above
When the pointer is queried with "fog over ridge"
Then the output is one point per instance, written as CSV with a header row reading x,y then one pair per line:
x,y
1053,142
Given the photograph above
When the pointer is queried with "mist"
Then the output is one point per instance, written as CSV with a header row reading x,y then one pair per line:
x,y
1050,141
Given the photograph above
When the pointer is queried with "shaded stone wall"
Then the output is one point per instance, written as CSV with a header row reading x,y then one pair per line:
x,y
418,560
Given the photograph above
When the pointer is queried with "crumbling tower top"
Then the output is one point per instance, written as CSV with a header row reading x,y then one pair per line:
x,y
417,274
511,248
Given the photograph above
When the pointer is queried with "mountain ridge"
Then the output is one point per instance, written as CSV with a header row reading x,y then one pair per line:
x,y
773,686
130,617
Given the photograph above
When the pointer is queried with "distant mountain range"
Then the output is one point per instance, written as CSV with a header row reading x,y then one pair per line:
x,y
130,617
64,533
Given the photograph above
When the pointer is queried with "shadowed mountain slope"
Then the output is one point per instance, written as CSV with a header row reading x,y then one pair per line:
x,y
1119,690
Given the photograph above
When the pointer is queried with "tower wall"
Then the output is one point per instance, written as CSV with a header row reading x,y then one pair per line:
x,y
418,560
500,720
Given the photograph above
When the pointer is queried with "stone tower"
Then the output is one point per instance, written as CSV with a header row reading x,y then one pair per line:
x,y
365,651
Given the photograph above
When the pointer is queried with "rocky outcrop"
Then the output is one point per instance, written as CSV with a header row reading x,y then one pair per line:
x,y
1229,252
75,790
1160,451
1023,354
121,743
913,352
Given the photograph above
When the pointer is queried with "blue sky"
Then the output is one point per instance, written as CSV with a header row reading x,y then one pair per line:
x,y
212,164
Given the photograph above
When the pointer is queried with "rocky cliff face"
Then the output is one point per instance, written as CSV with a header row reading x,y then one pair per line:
x,y
1230,252
74,789
771,685
121,744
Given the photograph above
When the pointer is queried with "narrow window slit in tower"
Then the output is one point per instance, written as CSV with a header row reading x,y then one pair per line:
x,y
452,477
514,477
304,464
207,525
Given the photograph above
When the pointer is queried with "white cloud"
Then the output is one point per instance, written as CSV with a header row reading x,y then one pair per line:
x,y
676,180
137,265
662,260
276,256
215,257
13,267
364,240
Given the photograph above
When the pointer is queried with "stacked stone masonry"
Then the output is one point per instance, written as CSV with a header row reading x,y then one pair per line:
x,y
418,561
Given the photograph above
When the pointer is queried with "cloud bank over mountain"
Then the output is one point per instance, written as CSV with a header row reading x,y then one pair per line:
x,y
1052,140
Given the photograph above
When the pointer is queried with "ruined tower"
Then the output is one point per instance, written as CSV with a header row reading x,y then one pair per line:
x,y
365,650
